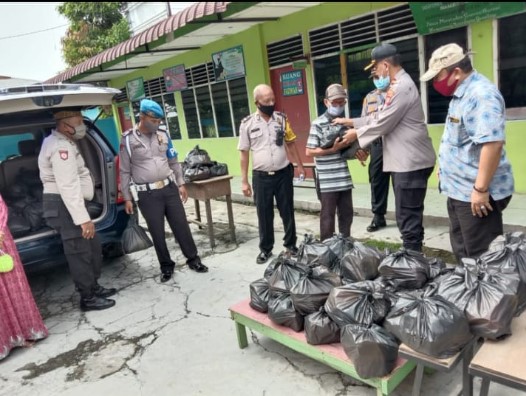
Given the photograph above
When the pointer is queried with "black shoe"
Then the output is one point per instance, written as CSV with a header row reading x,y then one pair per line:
x,y
103,292
95,303
263,257
166,275
198,267
376,224
292,252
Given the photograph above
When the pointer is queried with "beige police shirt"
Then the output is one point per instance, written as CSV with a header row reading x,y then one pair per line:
x,y
401,122
148,163
63,171
259,136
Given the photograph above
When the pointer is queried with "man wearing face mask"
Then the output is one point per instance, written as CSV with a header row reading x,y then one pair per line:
x,y
378,179
68,186
407,148
474,172
269,136
149,169
335,183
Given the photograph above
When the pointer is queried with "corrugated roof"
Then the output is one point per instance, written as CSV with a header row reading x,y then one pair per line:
x,y
151,34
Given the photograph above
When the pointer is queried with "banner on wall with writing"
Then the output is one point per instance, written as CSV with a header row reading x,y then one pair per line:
x,y
175,78
432,17
229,63
292,83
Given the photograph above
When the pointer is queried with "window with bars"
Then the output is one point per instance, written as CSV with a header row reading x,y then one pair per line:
x,y
512,64
171,118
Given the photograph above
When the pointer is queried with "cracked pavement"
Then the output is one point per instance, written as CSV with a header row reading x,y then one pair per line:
x,y
177,338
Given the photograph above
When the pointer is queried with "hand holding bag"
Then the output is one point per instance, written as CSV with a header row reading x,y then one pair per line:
x,y
134,237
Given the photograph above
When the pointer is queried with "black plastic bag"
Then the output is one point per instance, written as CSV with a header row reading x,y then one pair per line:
x,y
332,133
282,312
196,157
286,276
259,295
18,225
340,245
312,290
361,302
273,265
313,253
134,237
406,269
372,350
321,329
428,323
195,173
34,215
361,263
218,169
349,153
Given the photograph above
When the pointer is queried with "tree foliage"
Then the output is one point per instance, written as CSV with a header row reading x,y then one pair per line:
x,y
93,27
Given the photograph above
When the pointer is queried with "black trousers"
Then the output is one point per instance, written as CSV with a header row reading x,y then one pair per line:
x,y
84,256
470,235
336,203
410,192
266,188
155,205
378,179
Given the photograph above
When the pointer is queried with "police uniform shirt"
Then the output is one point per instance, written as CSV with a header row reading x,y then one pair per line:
x,y
372,103
401,122
63,171
259,136
149,162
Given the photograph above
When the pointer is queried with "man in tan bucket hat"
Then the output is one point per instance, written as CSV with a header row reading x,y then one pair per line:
x,y
474,172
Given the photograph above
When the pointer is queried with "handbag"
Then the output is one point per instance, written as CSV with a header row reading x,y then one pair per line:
x,y
6,262
134,237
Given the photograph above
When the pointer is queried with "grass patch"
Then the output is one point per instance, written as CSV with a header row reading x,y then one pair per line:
x,y
445,255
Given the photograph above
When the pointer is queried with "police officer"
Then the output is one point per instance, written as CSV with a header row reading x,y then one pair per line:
x,y
407,149
378,179
267,133
149,169
67,187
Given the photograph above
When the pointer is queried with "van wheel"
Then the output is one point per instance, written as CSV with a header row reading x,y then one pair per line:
x,y
112,250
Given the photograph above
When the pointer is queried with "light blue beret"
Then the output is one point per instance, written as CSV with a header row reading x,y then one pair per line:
x,y
151,108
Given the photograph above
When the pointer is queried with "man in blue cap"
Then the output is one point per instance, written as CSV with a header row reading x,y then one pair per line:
x,y
152,176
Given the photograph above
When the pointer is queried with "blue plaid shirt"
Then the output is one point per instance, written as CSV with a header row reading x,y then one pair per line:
x,y
476,116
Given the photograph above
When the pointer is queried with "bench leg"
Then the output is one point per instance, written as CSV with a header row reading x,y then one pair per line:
x,y
241,332
210,223
419,374
484,388
231,218
198,212
467,380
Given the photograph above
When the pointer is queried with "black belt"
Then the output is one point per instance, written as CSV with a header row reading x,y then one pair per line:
x,y
270,173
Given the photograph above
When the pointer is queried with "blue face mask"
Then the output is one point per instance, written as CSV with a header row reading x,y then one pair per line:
x,y
382,82
335,110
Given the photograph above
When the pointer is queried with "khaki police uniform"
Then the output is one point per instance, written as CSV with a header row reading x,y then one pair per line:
x,y
407,152
378,179
147,171
68,186
272,174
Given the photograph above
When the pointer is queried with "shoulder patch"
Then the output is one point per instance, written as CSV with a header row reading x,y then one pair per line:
x,y
64,154
389,96
247,118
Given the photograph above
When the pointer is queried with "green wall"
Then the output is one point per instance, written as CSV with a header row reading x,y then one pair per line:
x,y
253,41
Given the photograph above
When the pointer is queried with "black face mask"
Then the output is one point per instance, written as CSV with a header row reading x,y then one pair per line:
x,y
268,110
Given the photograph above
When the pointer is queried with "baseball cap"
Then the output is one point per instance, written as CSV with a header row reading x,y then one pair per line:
x,y
66,113
443,57
151,108
380,52
335,91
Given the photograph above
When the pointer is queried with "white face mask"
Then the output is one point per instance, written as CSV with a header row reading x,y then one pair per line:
x,y
335,110
80,131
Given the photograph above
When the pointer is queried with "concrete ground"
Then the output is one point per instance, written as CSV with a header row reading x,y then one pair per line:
x,y
178,338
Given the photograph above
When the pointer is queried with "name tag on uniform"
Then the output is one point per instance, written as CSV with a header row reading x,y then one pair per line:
x,y
454,119
254,130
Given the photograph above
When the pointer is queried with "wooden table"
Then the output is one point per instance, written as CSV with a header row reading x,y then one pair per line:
x,y
503,361
332,355
446,365
205,190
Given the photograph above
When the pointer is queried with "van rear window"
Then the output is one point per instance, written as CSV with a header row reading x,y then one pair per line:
x,y
9,144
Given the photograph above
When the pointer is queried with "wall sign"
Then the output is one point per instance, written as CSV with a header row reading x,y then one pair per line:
x,y
434,17
135,89
292,83
175,78
229,63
